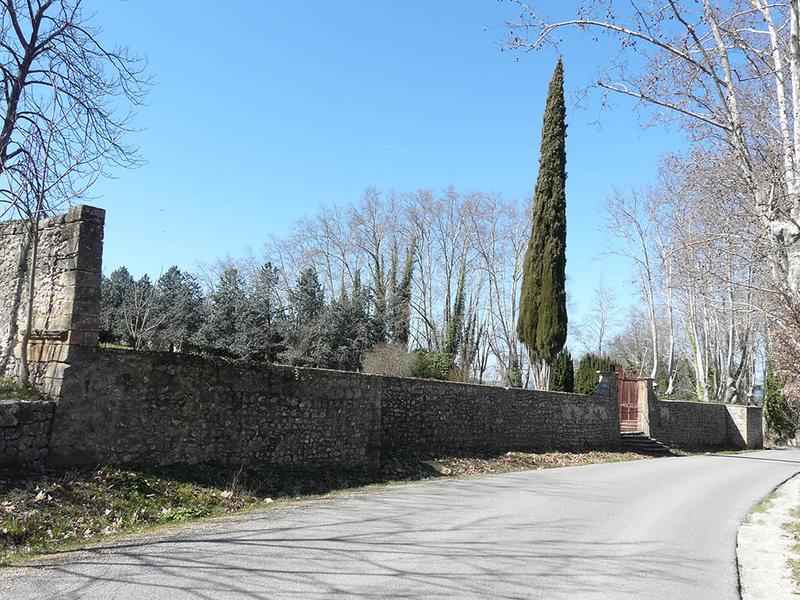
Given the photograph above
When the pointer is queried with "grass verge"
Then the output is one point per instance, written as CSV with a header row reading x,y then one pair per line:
x,y
61,509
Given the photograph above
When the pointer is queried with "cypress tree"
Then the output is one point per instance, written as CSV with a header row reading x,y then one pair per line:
x,y
542,324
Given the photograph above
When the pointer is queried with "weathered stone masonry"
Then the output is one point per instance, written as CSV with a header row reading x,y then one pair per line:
x,y
66,308
24,430
423,416
119,406
116,406
698,425
160,408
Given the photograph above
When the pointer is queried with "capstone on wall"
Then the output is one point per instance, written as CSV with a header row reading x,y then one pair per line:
x,y
66,300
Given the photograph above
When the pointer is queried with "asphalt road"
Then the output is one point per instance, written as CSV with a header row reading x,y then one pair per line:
x,y
661,528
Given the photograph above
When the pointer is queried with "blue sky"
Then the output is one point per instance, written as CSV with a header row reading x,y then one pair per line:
x,y
263,111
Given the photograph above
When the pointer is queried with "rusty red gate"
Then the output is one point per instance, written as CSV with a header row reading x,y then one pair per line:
x,y
628,393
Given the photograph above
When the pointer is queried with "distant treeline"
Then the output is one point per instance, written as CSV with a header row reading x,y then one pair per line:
x,y
244,316
413,283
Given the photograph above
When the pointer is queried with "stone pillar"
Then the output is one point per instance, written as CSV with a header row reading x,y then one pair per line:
x,y
754,437
647,398
606,384
59,334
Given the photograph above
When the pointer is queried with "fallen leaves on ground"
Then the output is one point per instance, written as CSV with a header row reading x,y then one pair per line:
x,y
485,464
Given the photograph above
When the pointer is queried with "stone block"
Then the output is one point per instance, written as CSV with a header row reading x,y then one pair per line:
x,y
8,414
81,279
89,214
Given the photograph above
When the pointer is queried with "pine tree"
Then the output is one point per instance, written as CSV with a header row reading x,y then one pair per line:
x,y
345,332
562,374
306,300
221,333
542,324
306,313
179,304
113,292
262,321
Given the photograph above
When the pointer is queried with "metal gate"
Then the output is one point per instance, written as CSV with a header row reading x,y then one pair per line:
x,y
628,392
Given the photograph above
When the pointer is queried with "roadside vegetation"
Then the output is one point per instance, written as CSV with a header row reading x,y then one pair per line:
x,y
62,509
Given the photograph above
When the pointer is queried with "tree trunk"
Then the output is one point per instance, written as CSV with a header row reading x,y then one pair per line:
x,y
540,374
24,364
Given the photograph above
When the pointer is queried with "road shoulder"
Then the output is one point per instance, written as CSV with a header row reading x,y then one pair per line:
x,y
765,546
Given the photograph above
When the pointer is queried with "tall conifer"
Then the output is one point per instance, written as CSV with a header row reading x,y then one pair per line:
x,y
562,373
542,323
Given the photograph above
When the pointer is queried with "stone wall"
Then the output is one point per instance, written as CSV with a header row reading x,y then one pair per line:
x,y
699,425
120,406
124,407
66,302
24,430
114,406
745,426
689,424
422,416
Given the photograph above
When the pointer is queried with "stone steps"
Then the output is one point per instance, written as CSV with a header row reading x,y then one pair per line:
x,y
636,441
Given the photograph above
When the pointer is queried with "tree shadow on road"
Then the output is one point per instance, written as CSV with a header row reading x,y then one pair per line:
x,y
456,540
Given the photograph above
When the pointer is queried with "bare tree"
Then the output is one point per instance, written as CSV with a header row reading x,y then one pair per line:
x,y
629,222
701,260
717,268
140,314
41,185
61,121
500,235
478,238
602,318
